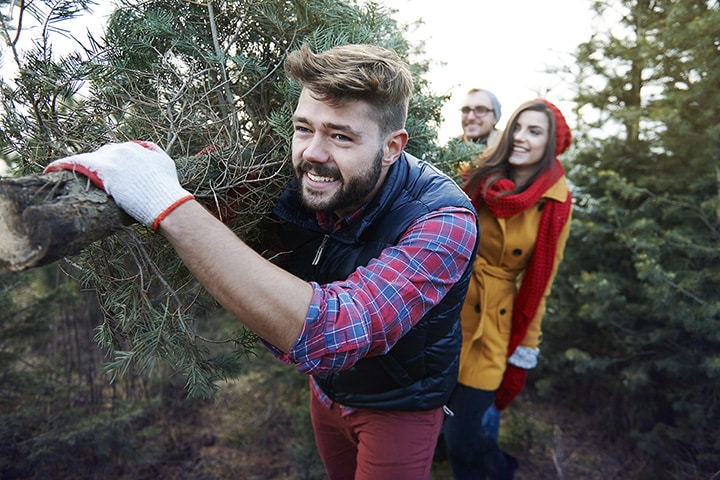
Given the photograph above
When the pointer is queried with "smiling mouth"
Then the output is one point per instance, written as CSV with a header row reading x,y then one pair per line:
x,y
319,178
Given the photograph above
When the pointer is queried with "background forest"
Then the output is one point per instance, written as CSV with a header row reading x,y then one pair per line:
x,y
115,364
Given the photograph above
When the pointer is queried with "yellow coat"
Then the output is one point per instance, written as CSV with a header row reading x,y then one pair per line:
x,y
506,246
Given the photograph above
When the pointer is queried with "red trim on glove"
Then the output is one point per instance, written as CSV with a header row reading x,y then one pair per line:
x,y
148,145
169,210
91,174
76,167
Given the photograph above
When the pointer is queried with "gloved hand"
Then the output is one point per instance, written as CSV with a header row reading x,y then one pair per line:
x,y
140,177
512,383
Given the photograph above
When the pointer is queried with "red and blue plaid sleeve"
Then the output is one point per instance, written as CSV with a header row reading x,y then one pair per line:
x,y
367,313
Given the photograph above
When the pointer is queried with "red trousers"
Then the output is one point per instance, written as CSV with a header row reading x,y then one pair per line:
x,y
375,444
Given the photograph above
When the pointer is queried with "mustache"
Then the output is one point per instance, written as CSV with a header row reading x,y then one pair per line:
x,y
318,169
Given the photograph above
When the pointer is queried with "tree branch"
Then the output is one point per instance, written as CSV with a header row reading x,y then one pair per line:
x,y
46,217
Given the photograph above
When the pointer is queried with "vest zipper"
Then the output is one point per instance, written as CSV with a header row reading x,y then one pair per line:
x,y
319,252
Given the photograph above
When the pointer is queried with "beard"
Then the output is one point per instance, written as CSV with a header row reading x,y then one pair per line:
x,y
353,191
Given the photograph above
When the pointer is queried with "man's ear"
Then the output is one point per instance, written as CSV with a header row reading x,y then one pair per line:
x,y
394,145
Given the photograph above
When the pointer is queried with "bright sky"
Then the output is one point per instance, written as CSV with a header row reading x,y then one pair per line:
x,y
501,46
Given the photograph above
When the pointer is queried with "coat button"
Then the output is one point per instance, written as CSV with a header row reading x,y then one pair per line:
x,y
477,308
502,311
517,252
540,207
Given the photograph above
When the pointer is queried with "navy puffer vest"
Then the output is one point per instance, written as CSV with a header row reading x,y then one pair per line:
x,y
420,371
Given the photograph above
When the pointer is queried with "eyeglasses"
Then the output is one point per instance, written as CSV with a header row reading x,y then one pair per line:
x,y
480,111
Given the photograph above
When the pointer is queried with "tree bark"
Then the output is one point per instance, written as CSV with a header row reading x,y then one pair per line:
x,y
46,217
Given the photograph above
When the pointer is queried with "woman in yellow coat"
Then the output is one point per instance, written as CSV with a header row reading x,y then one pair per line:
x,y
519,190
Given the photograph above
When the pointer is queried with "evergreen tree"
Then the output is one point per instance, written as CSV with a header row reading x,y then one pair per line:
x,y
205,81
50,371
633,328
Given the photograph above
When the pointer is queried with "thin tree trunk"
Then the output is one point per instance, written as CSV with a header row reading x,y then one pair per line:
x,y
46,217
717,209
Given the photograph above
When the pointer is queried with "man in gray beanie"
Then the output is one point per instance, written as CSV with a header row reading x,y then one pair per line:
x,y
480,113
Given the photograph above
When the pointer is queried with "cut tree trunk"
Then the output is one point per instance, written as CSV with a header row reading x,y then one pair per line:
x,y
46,217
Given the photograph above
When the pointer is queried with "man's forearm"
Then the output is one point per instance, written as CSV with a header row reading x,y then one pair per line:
x,y
268,300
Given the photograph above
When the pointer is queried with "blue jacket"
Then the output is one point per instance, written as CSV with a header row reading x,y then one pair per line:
x,y
420,371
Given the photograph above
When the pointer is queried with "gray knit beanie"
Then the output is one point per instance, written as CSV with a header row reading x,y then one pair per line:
x,y
495,104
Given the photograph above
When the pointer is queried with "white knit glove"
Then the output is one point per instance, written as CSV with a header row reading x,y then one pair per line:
x,y
524,357
140,176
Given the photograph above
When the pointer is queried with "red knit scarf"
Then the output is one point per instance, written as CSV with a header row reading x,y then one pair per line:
x,y
538,272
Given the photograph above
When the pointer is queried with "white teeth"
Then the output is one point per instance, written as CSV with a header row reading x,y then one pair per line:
x,y
317,178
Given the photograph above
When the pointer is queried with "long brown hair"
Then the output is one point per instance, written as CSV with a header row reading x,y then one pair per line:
x,y
492,164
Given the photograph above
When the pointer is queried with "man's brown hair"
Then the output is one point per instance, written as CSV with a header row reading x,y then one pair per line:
x,y
352,72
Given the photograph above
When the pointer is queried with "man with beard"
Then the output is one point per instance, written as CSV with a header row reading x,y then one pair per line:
x,y
479,115
379,245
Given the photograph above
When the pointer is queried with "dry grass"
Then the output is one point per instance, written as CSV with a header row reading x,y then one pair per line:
x,y
258,429
552,444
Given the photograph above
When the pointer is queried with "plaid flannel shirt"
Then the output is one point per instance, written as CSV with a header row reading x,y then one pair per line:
x,y
367,313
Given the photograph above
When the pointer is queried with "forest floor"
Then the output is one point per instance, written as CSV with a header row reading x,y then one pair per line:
x,y
258,428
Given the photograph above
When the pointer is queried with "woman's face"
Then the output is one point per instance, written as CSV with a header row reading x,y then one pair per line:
x,y
529,139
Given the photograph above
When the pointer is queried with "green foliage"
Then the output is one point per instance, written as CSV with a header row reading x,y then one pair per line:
x,y
291,394
633,327
455,157
52,387
205,81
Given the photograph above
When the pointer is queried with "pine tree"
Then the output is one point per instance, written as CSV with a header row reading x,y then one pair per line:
x,y
204,80
633,329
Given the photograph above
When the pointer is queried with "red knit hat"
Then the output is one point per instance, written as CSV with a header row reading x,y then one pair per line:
x,y
563,137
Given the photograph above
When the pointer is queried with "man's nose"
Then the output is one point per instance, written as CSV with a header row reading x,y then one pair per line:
x,y
316,150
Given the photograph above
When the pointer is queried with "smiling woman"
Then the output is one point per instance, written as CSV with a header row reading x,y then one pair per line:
x,y
530,136
521,195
